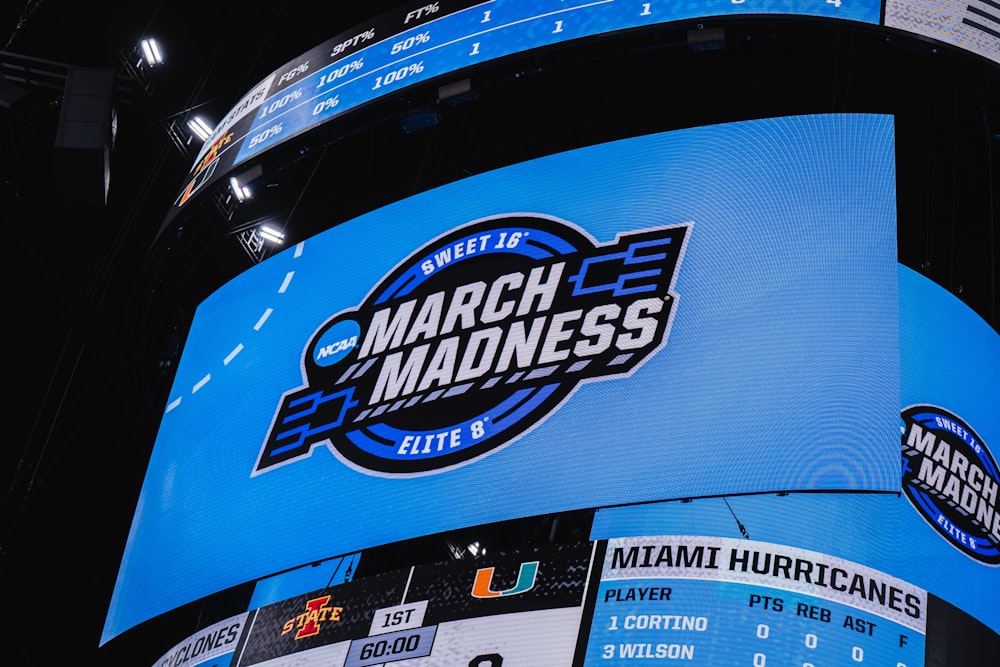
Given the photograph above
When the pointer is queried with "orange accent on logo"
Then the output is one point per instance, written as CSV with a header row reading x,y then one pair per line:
x,y
188,191
481,587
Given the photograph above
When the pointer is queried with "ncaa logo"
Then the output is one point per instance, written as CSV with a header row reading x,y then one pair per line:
x,y
472,341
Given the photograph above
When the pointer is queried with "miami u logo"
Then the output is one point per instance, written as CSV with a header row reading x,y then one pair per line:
x,y
484,580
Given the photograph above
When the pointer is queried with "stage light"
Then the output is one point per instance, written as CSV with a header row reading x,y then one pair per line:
x,y
151,52
201,129
242,192
271,235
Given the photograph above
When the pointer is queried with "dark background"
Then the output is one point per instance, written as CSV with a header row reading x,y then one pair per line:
x,y
98,294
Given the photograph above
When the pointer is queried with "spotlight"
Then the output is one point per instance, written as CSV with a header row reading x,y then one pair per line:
x,y
242,192
200,128
271,235
151,52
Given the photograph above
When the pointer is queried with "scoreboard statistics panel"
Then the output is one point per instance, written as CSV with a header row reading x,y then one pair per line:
x,y
447,36
724,601
693,599
420,42
484,613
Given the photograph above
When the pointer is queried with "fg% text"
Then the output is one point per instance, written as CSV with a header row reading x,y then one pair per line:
x,y
398,74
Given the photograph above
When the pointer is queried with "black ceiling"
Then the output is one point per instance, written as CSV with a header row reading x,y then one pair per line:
x,y
98,298
85,330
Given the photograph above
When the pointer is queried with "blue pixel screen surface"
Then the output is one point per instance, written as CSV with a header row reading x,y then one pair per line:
x,y
706,311
942,534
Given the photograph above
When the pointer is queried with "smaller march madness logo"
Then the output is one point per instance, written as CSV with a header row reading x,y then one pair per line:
x,y
473,340
951,478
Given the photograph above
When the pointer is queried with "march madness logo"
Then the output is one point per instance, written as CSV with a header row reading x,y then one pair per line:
x,y
472,341
950,477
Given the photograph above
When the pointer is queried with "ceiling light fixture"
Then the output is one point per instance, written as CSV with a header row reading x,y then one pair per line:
x,y
151,51
242,192
200,128
271,235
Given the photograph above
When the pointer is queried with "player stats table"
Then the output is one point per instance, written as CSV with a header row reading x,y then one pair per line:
x,y
720,601
414,44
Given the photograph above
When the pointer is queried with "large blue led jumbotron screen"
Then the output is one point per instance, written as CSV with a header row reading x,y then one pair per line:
x,y
706,311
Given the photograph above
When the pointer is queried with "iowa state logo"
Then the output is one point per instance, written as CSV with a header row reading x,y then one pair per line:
x,y
950,477
308,624
472,341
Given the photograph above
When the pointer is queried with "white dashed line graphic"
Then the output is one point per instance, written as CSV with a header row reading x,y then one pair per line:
x,y
238,348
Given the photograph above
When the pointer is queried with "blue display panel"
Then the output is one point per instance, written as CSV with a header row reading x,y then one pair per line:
x,y
700,312
943,532
724,601
950,388
311,577
422,41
